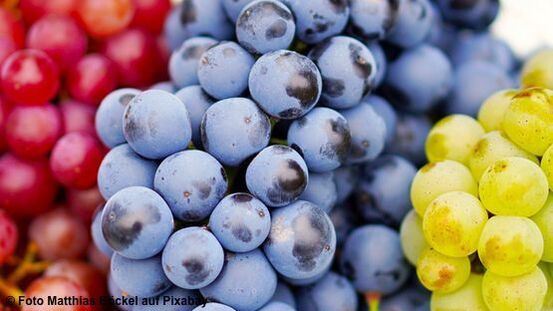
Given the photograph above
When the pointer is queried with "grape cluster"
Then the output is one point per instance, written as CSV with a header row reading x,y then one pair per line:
x,y
483,203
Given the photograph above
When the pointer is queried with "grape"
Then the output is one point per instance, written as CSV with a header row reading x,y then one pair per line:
x,y
543,221
510,245
81,273
368,133
332,292
285,84
34,9
327,150
475,15
246,282
411,24
103,18
548,301
12,28
75,160
265,26
373,19
467,297
320,19
276,306
547,165
437,178
412,238
483,47
345,219
192,182
59,235
474,82
345,82
136,222
56,286
410,299
91,79
83,203
233,8
535,72
524,292
383,192
8,236
302,240
345,179
7,47
98,259
166,86
528,121
383,108
234,129
97,234
410,137
453,222
150,14
283,294
156,124
197,102
369,265
321,190
513,186
192,258
491,147
109,115
140,277
277,175
29,77
32,131
175,299
306,281
77,116
213,306
440,273
453,138
184,61
240,222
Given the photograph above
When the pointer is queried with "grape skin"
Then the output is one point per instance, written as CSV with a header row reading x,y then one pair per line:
x,y
412,238
468,297
493,109
440,273
547,166
544,223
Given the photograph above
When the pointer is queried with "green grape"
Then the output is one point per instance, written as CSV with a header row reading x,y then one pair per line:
x,y
493,109
513,186
453,222
492,147
548,300
468,297
537,71
453,138
505,293
547,165
441,273
411,236
510,245
529,120
438,178
544,221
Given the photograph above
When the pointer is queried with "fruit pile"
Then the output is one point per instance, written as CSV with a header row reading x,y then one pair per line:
x,y
481,232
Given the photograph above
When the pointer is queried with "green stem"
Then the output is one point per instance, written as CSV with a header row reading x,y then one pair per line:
x,y
278,141
373,300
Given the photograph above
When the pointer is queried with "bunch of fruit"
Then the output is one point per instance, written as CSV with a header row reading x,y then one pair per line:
x,y
481,232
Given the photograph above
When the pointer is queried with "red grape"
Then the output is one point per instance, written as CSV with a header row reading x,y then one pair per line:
x,y
60,37
11,28
102,18
75,160
7,47
8,236
59,235
84,274
34,9
29,77
56,286
136,57
26,187
83,203
32,131
5,109
77,116
150,14
98,259
91,79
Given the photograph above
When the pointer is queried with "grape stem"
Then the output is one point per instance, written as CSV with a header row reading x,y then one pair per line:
x,y
373,300
278,141
28,265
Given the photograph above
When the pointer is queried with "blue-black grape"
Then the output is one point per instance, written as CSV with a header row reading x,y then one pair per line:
x,y
265,26
410,137
277,306
277,175
97,234
192,182
192,258
247,282
328,149
196,101
234,129
139,277
223,70
234,7
483,47
240,222
175,299
136,222
108,117
156,124
332,292
166,86
345,219
183,64
302,241
373,19
284,294
380,60
213,306
474,14
321,191
345,179
383,108
409,299
285,84
412,23
306,281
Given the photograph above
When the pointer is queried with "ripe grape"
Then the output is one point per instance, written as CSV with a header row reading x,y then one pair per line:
x,y
548,300
536,73
493,109
437,178
346,179
12,28
83,203
510,245
276,306
528,121
482,46
523,292
77,116
32,10
544,223
197,102
412,23
55,286
97,234
213,306
91,79
184,61
383,108
414,298
109,115
374,19
412,238
440,273
103,18
140,277
491,147
321,191
284,294
150,14
410,137
84,274
547,165
453,138
8,236
513,186
474,15
332,292
467,297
